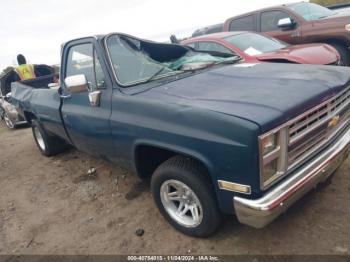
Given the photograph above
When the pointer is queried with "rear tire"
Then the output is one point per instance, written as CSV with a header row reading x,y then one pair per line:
x,y
48,144
181,184
343,52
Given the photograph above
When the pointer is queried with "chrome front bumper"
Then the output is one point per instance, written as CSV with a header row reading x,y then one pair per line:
x,y
260,212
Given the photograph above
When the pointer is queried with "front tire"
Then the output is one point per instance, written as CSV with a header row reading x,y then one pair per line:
x,y
184,196
48,144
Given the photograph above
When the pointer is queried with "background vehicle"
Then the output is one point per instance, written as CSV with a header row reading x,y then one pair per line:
x,y
8,111
255,47
342,8
208,30
9,114
298,23
215,136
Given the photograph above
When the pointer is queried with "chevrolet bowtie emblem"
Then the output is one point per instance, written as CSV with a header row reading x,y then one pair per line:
x,y
334,121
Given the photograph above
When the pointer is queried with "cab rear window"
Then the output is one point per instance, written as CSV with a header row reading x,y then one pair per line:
x,y
245,23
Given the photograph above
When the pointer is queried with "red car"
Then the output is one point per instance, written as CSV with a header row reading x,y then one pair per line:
x,y
255,48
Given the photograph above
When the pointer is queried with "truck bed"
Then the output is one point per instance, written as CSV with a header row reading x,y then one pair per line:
x,y
22,92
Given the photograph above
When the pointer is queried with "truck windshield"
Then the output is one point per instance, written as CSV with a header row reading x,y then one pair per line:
x,y
137,61
310,11
255,44
130,64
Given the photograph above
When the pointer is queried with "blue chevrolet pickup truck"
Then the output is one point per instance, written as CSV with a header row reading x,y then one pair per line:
x,y
214,134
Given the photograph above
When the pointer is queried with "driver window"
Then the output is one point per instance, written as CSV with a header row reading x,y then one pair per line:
x,y
269,20
80,61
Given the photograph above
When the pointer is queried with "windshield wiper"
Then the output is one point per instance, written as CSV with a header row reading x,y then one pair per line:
x,y
217,53
230,60
158,73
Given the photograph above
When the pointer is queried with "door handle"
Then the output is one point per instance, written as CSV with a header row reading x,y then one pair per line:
x,y
67,96
296,34
94,98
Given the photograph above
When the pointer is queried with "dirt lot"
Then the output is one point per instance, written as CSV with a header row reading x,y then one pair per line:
x,y
51,206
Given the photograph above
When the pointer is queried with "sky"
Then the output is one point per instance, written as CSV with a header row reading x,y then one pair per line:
x,y
37,28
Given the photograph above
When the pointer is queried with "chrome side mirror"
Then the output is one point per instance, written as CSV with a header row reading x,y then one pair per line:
x,y
76,84
285,23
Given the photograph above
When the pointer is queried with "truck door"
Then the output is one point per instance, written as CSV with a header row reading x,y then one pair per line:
x,y
269,25
87,124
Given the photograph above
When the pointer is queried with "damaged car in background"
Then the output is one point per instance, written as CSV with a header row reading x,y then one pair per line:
x,y
8,112
214,136
299,23
258,48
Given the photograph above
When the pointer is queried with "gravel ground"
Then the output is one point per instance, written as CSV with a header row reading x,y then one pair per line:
x,y
51,206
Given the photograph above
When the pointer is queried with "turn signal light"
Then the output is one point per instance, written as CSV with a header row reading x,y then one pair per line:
x,y
234,187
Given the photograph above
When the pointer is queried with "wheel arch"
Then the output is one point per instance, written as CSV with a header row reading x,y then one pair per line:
x,y
331,41
29,116
148,156
342,48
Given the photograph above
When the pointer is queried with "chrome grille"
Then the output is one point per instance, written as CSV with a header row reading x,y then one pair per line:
x,y
305,124
310,131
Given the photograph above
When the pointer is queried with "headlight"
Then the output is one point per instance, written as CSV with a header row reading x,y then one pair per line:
x,y
269,169
269,143
273,156
347,27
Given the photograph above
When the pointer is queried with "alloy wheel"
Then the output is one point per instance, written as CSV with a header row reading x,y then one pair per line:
x,y
181,203
39,138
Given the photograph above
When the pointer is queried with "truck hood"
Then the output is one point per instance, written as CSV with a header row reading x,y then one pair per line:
x,y
319,54
342,12
266,94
